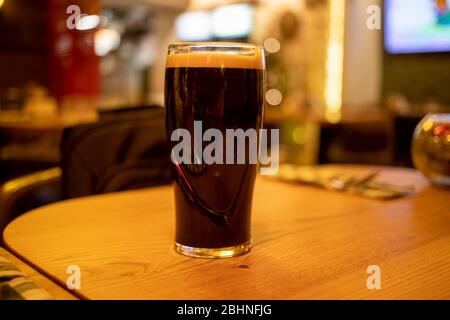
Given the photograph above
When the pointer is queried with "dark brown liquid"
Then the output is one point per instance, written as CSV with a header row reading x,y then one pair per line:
x,y
213,202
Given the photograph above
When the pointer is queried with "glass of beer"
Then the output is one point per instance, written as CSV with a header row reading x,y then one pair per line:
x,y
214,93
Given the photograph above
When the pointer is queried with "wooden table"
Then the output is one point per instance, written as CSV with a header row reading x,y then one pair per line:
x,y
22,123
308,243
19,126
23,137
41,281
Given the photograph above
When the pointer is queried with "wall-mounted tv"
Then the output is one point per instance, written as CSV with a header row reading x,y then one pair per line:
x,y
417,26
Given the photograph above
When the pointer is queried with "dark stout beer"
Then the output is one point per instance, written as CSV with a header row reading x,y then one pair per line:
x,y
224,91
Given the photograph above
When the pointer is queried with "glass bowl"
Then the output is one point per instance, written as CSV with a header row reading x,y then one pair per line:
x,y
431,148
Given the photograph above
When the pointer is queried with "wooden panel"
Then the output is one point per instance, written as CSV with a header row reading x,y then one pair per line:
x,y
308,243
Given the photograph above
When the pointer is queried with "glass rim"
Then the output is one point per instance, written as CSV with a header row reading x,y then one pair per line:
x,y
215,54
438,116
215,44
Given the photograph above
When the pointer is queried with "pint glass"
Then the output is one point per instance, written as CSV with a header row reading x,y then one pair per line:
x,y
214,94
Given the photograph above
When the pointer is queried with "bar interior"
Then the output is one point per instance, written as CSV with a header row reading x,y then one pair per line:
x,y
320,159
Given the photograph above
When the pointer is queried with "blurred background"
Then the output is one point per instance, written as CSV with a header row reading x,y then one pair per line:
x,y
348,81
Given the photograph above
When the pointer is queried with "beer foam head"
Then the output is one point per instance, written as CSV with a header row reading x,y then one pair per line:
x,y
216,55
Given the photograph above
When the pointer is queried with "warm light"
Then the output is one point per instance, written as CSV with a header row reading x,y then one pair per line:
x,y
299,135
193,26
234,20
106,40
226,253
1,3
272,45
428,125
274,97
88,22
335,61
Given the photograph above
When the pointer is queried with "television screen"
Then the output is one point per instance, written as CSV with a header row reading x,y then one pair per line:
x,y
416,26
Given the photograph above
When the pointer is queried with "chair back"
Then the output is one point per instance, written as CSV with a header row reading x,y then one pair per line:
x,y
124,150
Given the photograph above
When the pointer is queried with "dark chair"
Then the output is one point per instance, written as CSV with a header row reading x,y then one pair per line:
x,y
14,168
27,192
123,150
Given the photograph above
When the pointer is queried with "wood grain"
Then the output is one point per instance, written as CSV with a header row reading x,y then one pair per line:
x,y
308,244
41,281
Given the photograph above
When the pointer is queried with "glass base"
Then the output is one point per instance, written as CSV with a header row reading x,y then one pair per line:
x,y
213,253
